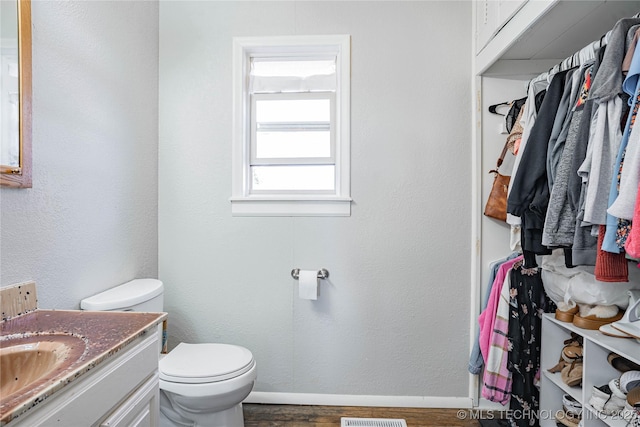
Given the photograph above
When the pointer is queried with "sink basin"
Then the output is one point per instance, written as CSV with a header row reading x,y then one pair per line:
x,y
30,361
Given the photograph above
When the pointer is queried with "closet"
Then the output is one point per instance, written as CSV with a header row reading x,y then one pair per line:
x,y
516,41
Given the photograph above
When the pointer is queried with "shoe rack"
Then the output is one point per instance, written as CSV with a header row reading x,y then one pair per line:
x,y
596,370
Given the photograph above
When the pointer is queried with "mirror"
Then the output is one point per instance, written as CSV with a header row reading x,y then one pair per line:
x,y
15,95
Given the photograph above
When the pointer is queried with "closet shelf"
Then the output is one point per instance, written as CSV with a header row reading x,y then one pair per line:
x,y
556,378
547,31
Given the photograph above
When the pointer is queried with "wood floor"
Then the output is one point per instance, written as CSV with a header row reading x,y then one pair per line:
x,y
259,415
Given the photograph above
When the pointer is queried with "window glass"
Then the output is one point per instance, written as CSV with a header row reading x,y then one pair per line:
x,y
293,110
292,178
292,144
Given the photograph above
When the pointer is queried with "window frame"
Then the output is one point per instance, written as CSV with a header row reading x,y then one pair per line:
x,y
244,202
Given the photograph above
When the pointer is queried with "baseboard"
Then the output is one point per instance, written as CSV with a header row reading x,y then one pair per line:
x,y
275,398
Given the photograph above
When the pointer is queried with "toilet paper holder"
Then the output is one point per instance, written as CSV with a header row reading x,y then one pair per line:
x,y
323,273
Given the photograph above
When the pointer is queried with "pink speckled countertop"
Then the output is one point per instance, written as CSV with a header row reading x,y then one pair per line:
x,y
104,333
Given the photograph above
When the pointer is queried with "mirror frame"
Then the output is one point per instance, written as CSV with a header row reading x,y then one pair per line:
x,y
11,176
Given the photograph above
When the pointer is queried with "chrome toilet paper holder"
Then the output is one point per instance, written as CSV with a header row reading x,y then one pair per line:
x,y
323,273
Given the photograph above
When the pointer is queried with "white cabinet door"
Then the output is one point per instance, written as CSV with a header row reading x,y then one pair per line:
x,y
141,409
486,22
507,9
491,16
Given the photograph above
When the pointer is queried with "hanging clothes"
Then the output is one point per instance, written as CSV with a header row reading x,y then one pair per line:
x,y
607,136
560,220
529,196
587,175
624,204
494,325
562,122
535,95
632,245
527,303
476,361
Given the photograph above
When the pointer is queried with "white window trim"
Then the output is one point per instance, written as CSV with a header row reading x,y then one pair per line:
x,y
245,204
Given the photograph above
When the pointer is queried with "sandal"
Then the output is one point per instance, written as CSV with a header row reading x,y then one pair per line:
x,y
570,363
567,419
632,405
567,314
571,352
571,374
622,364
594,317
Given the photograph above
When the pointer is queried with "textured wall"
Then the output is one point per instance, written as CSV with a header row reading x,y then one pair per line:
x,y
90,220
394,317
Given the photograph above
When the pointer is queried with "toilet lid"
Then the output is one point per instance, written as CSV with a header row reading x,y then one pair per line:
x,y
205,363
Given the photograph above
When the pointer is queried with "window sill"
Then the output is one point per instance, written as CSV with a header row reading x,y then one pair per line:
x,y
290,206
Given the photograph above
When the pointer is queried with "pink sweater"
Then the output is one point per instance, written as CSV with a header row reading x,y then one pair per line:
x,y
488,316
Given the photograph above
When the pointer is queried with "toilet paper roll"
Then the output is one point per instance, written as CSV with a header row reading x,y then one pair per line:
x,y
308,284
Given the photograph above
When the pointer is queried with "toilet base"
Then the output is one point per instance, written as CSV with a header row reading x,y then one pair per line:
x,y
232,417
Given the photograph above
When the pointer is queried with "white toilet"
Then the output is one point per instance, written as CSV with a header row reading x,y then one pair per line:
x,y
201,385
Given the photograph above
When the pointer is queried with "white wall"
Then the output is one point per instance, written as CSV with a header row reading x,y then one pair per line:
x,y
495,233
90,220
393,319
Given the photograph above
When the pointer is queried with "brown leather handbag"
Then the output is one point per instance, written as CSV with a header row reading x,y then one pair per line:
x,y
496,206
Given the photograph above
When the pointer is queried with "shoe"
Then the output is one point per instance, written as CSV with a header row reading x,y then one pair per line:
x,y
629,411
567,419
611,331
565,314
571,374
571,405
635,419
632,405
570,363
592,317
622,364
616,388
608,401
624,325
629,380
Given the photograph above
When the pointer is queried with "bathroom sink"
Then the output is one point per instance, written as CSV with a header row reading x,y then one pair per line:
x,y
28,361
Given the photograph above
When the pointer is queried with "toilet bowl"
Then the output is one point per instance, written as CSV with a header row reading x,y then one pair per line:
x,y
205,384
201,385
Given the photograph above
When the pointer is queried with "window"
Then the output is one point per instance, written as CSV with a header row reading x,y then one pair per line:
x,y
291,126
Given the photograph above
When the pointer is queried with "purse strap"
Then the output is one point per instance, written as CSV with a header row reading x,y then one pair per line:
x,y
501,158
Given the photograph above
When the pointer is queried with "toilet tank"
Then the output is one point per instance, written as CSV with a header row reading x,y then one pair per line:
x,y
136,295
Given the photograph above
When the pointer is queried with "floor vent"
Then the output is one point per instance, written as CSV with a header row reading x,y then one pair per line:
x,y
372,422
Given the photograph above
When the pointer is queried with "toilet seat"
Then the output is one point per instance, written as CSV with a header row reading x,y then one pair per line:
x,y
205,363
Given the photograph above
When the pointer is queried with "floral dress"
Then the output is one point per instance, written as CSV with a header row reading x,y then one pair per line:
x,y
527,303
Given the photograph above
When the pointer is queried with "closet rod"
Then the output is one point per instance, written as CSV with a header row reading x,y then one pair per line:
x,y
587,53
582,56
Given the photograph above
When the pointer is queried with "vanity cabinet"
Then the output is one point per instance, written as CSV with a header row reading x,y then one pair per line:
x,y
596,370
121,391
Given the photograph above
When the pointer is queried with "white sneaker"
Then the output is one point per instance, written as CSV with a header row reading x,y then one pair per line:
x,y
606,400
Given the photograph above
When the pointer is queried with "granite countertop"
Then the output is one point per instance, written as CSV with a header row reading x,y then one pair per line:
x,y
104,333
